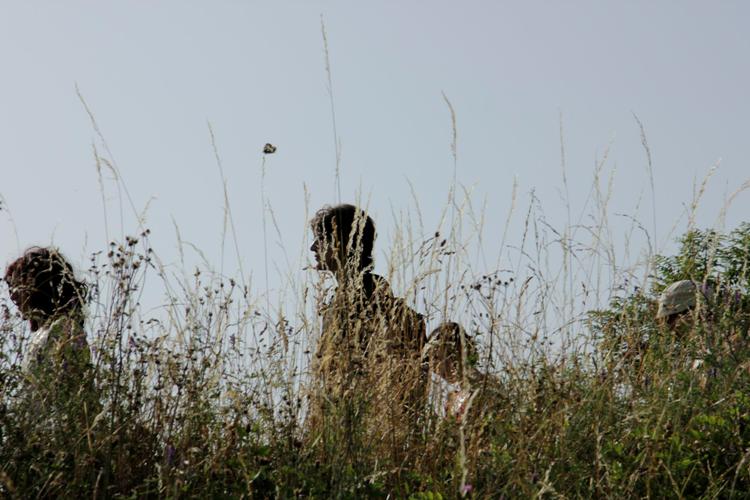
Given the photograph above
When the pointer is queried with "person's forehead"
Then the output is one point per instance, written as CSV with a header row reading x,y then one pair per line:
x,y
325,234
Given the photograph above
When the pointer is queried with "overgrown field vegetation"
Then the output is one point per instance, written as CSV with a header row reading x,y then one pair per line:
x,y
208,396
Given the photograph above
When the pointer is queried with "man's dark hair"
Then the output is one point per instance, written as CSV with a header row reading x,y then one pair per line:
x,y
48,281
355,231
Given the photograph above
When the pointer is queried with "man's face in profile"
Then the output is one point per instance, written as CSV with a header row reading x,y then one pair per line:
x,y
325,259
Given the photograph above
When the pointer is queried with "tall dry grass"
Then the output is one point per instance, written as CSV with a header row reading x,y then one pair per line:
x,y
212,394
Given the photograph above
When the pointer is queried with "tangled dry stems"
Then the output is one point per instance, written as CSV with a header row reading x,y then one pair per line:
x,y
210,398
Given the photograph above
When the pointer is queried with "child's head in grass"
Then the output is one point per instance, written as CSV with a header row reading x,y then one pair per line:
x,y
450,352
344,238
43,286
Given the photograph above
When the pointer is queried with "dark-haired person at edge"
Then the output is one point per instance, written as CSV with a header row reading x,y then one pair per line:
x,y
369,353
56,366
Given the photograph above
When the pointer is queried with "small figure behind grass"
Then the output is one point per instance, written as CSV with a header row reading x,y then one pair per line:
x,y
474,400
678,301
453,356
56,365
55,404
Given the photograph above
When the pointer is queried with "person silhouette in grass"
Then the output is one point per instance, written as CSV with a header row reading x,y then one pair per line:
x,y
56,365
371,341
474,401
678,311
452,355
678,300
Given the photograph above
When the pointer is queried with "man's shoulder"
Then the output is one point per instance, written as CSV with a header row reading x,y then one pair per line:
x,y
381,286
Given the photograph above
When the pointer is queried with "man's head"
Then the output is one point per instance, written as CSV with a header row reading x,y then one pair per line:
x,y
42,285
344,238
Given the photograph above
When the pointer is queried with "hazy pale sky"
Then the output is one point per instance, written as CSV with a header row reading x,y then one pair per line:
x,y
155,73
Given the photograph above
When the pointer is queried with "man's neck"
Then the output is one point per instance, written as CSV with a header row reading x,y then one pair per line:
x,y
364,280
